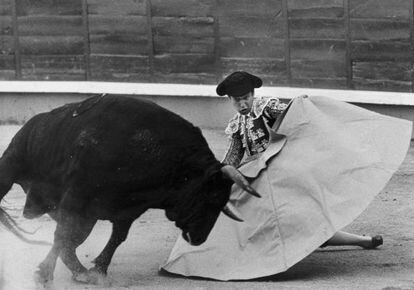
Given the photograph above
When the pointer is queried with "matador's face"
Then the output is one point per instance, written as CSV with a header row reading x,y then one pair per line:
x,y
244,103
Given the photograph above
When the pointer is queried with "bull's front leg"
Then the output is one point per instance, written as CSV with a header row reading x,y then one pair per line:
x,y
119,234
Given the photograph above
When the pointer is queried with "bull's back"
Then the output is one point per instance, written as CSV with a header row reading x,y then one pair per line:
x,y
109,142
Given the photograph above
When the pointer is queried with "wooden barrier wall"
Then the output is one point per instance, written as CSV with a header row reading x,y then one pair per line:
x,y
344,44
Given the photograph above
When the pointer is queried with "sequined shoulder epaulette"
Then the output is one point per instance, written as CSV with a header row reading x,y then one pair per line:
x,y
260,104
276,105
233,125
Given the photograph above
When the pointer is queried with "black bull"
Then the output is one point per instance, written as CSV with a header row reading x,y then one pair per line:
x,y
112,158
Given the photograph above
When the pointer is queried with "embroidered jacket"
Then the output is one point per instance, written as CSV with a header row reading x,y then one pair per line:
x,y
248,133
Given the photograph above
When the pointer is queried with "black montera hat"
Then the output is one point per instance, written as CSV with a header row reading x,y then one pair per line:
x,y
238,83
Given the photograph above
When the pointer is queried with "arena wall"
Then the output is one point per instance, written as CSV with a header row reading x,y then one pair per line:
x,y
340,44
19,100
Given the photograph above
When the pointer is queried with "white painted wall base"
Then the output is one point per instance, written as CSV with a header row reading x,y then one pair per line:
x,y
183,90
19,101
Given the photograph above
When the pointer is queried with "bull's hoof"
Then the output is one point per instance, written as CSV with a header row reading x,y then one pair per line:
x,y
100,276
83,278
98,270
43,275
90,277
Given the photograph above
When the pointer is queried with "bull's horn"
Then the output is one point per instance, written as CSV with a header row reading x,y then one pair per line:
x,y
231,212
239,179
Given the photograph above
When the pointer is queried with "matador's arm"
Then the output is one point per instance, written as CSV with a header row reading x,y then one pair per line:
x,y
235,151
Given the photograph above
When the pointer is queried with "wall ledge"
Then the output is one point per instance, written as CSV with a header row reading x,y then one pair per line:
x,y
189,90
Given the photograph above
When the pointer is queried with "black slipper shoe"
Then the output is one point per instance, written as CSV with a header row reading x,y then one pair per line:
x,y
376,241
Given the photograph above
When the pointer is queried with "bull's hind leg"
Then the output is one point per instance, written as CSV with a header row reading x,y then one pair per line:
x,y
6,179
71,231
74,235
5,186
45,272
119,234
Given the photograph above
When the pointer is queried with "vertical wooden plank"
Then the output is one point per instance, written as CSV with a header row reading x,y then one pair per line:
x,y
348,60
150,37
217,59
412,43
86,48
17,55
287,41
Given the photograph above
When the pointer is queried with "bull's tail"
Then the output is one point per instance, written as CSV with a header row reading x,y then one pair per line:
x,y
14,223
10,224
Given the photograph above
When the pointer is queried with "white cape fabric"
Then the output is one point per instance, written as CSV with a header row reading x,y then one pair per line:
x,y
335,158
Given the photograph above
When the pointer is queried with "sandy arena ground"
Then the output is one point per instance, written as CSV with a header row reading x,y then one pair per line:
x,y
137,261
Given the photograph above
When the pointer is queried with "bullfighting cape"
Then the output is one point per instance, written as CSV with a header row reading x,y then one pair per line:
x,y
333,161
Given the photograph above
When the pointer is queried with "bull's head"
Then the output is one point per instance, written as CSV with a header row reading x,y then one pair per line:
x,y
197,215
